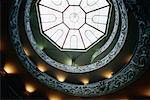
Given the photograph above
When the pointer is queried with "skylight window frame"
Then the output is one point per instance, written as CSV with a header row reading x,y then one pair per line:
x,y
70,49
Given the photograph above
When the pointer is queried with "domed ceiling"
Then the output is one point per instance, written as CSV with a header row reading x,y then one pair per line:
x,y
73,25
80,47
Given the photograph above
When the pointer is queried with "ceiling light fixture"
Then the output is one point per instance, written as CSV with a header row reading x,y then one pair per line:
x,y
54,97
146,92
60,77
9,68
107,74
40,46
42,68
26,51
128,58
85,81
29,88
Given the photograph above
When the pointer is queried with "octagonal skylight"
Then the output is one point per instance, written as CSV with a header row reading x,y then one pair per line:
x,y
73,24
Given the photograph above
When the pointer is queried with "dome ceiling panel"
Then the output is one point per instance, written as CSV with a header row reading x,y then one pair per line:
x,y
75,16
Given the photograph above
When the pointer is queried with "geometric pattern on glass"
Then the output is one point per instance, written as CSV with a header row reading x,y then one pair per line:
x,y
73,24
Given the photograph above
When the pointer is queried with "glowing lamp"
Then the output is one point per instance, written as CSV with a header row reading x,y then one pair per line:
x,y
61,77
107,74
30,88
10,69
85,81
26,51
54,97
42,68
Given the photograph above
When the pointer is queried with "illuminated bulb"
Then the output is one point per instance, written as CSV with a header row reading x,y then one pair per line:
x,y
41,47
68,61
54,97
42,68
147,92
29,88
10,69
107,74
26,51
128,58
85,81
61,77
